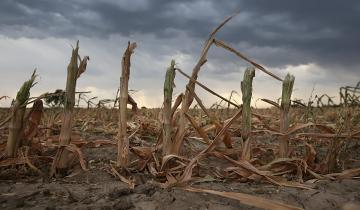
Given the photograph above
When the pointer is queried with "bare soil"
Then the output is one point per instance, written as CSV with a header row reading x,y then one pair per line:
x,y
97,189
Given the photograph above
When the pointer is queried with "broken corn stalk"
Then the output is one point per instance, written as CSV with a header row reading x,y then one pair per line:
x,y
246,89
16,125
123,141
287,88
167,113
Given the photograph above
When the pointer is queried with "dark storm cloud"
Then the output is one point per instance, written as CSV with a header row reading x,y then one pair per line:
x,y
277,33
326,31
99,18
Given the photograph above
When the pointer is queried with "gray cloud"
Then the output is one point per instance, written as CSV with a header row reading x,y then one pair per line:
x,y
324,32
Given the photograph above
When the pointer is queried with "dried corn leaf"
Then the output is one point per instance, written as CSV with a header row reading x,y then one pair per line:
x,y
310,155
82,66
142,152
298,127
167,158
76,150
248,166
283,182
28,162
346,174
271,102
199,130
12,161
328,135
130,182
247,199
186,176
222,44
100,142
34,119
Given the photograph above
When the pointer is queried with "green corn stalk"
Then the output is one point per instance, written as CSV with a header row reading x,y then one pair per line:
x,y
16,125
168,91
246,89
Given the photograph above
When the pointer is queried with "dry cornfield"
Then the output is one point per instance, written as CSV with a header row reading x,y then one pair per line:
x,y
293,155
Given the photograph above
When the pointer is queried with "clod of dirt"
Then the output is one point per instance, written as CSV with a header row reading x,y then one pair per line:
x,y
351,206
148,190
117,193
123,204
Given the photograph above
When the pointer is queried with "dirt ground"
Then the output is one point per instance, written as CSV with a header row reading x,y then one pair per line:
x,y
97,189
23,188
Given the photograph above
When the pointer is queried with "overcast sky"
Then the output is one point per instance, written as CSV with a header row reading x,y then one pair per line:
x,y
317,41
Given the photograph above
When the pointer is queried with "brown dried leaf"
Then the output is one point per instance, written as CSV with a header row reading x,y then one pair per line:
x,y
167,158
142,152
77,151
100,142
34,120
12,161
130,182
222,44
247,199
286,183
328,135
186,176
227,141
28,162
310,155
82,66
153,171
300,126
199,130
271,102
248,166
346,174
177,103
